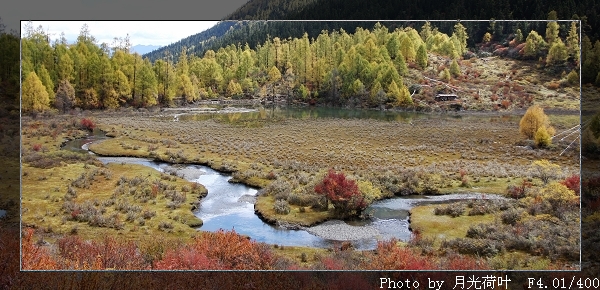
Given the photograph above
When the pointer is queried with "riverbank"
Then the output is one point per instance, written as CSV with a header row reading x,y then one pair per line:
x,y
405,154
398,155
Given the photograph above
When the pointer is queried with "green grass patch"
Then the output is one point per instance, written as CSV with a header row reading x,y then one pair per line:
x,y
440,227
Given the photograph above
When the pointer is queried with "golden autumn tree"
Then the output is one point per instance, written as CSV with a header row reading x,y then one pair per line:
x,y
536,125
35,97
234,89
542,138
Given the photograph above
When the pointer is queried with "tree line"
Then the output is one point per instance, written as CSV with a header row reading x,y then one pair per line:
x,y
366,67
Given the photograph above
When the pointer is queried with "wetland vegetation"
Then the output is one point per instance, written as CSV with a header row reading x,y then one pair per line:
x,y
74,194
351,136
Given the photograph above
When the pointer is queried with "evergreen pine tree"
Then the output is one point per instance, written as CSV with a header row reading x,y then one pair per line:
x,y
422,56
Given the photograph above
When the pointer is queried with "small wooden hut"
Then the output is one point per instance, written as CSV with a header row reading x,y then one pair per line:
x,y
445,97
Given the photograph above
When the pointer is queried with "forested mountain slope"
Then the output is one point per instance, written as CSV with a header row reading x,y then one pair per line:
x,y
268,9
452,10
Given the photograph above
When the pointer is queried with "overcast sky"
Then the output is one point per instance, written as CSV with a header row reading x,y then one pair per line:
x,y
159,33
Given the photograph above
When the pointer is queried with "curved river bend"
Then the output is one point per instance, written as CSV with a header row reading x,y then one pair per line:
x,y
231,206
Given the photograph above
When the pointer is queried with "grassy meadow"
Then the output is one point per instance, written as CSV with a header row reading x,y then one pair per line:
x,y
67,193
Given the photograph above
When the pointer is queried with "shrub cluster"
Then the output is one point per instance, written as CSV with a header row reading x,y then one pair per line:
x,y
281,207
453,210
87,124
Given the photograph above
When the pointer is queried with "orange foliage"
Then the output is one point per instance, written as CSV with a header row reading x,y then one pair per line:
x,y
187,258
392,257
553,85
220,250
35,257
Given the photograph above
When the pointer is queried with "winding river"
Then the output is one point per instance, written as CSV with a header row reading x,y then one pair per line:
x,y
231,206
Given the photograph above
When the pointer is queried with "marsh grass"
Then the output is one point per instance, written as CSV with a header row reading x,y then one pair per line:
x,y
432,151
442,227
395,157
115,214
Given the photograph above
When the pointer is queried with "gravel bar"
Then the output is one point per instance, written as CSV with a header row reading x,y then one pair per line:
x,y
340,231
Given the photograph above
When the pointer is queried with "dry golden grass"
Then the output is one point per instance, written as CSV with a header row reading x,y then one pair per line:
x,y
45,191
295,150
43,201
365,149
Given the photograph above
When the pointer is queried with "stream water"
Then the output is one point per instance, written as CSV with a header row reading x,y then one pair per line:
x,y
230,206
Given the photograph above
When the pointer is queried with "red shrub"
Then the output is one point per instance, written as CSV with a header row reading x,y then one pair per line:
x,y
233,251
392,257
572,183
553,85
186,258
520,191
87,124
494,98
36,147
271,175
462,172
331,264
342,192
108,254
502,51
520,48
505,104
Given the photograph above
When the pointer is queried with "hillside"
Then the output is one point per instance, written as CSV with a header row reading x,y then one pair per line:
x,y
196,41
586,10
265,9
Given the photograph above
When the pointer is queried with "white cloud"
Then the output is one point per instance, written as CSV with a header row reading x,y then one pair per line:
x,y
140,32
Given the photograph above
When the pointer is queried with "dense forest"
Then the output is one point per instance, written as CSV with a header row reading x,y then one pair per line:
x,y
586,10
365,68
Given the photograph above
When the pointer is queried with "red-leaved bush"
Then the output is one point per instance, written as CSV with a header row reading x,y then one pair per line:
x,y
392,257
343,194
107,254
221,250
87,124
572,183
187,258
36,147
